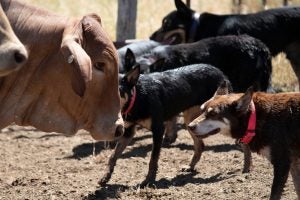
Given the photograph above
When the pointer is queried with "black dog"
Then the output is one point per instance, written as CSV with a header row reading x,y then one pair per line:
x,y
243,59
137,48
278,28
151,99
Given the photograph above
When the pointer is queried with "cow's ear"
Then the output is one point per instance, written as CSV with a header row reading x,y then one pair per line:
x,y
182,8
133,75
76,56
223,89
94,16
243,103
129,60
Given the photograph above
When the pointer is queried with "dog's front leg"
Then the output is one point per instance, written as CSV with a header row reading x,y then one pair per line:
x,y
247,158
121,145
281,172
295,172
158,132
198,149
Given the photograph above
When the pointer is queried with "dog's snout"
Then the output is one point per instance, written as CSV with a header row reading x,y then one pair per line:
x,y
119,131
20,57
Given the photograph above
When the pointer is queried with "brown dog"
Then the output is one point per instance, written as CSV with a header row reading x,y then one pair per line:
x,y
269,123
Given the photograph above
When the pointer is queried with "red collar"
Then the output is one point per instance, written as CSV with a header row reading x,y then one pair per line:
x,y
250,132
132,100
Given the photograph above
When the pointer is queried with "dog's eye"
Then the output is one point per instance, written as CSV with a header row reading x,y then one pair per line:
x,y
99,66
211,112
166,23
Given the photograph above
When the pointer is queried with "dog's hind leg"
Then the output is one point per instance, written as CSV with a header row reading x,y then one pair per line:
x,y
121,145
247,158
295,172
293,54
170,131
158,133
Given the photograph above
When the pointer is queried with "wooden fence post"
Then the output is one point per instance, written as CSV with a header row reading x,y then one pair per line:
x,y
126,22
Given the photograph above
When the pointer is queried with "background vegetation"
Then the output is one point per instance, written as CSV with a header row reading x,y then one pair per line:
x,y
151,12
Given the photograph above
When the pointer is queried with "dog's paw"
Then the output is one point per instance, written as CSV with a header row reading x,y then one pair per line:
x,y
187,168
147,183
168,141
103,181
246,170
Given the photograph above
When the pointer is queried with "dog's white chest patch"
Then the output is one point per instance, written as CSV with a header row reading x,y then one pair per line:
x,y
146,123
266,152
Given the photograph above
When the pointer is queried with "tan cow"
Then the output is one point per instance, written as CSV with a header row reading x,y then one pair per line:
x,y
70,80
12,52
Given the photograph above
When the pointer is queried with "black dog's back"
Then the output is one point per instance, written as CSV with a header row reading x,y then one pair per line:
x,y
138,48
280,26
173,91
243,59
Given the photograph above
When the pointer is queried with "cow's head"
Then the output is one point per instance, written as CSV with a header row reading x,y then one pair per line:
x,y
93,65
176,26
12,52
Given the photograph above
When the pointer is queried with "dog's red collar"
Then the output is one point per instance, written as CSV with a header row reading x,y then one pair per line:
x,y
250,132
131,103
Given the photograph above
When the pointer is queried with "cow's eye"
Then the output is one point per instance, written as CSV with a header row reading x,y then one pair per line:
x,y
99,66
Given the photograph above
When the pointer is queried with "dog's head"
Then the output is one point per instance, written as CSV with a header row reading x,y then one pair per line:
x,y
126,84
176,26
224,113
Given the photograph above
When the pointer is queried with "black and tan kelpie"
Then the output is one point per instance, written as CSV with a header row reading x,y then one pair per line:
x,y
278,28
268,123
149,100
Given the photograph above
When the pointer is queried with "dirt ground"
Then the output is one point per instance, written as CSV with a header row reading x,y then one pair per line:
x,y
37,165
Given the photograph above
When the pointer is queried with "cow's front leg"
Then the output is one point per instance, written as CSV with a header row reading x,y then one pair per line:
x,y
121,145
158,132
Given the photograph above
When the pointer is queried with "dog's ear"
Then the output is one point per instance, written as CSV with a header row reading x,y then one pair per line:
x,y
157,65
129,60
181,7
133,75
243,103
224,88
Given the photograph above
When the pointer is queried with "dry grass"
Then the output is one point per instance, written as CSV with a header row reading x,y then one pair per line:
x,y
151,12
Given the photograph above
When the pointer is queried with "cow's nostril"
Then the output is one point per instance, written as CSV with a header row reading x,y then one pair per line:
x,y
119,131
19,57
